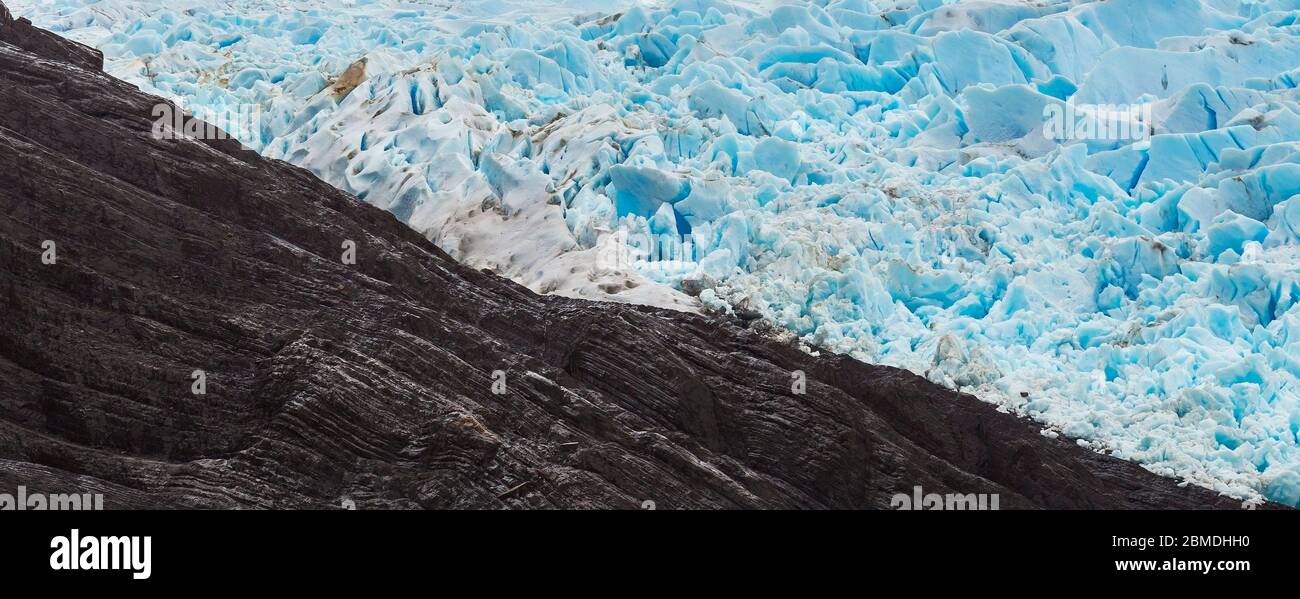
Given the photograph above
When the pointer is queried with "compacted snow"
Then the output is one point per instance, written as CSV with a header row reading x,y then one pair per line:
x,y
1086,212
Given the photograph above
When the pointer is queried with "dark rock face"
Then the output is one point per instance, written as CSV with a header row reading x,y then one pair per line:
x,y
372,383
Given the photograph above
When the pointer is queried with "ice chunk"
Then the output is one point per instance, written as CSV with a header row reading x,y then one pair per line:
x,y
641,190
1231,231
776,156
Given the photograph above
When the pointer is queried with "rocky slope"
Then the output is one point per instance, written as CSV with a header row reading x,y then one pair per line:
x,y
329,384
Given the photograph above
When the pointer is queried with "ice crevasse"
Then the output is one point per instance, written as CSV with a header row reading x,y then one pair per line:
x,y
874,177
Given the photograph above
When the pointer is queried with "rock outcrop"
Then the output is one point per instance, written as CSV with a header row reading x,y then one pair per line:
x,y
21,33
182,328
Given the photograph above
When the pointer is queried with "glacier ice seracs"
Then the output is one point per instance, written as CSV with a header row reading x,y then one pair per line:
x,y
876,177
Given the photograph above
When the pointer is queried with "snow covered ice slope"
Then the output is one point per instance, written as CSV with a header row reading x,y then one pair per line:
x,y
884,178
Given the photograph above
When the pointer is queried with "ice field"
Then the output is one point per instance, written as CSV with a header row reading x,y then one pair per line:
x,y
1085,212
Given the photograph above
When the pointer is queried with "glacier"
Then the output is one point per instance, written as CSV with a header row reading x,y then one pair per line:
x,y
880,178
